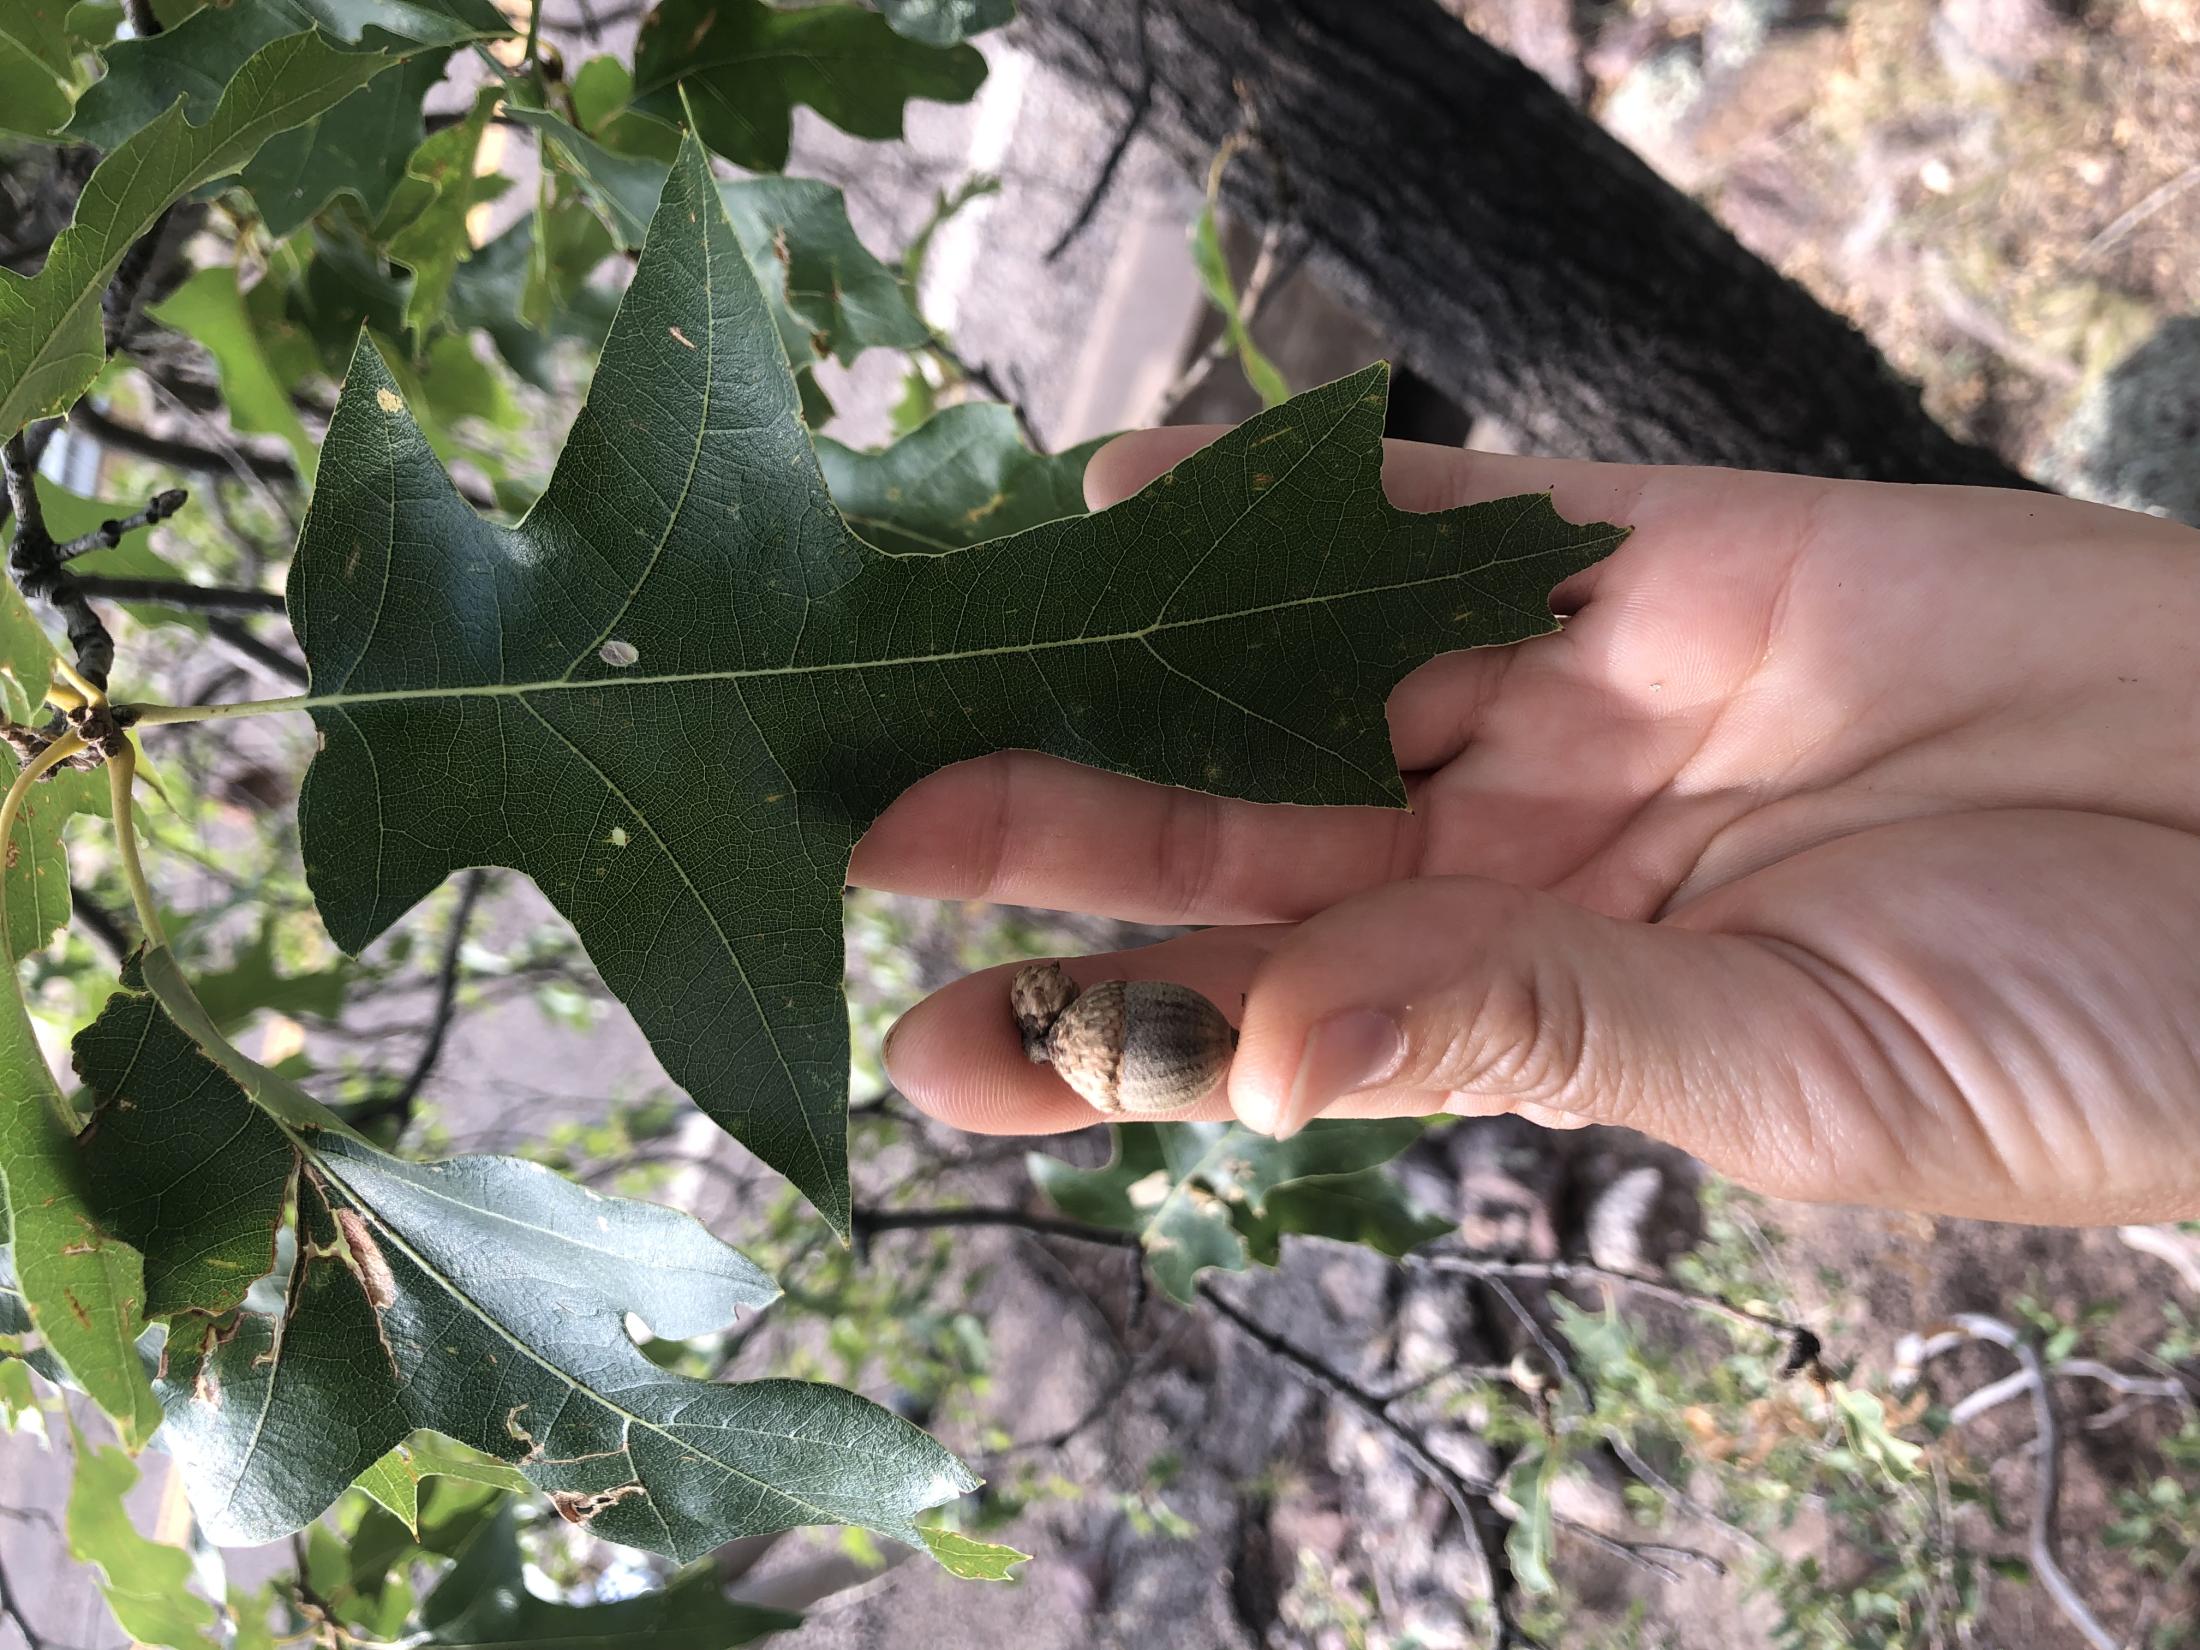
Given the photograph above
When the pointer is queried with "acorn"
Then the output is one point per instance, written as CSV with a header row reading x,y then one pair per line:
x,y
1132,1048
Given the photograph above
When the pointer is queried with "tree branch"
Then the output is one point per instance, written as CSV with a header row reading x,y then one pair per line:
x,y
2046,1480
1803,1346
231,633
185,598
188,456
1470,1500
399,1101
109,533
99,922
35,565
864,1223
1104,179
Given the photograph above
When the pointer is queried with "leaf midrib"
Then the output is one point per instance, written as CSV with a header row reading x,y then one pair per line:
x,y
313,701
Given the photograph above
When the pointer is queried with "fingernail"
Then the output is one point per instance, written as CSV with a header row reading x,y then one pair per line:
x,y
886,1048
1344,1053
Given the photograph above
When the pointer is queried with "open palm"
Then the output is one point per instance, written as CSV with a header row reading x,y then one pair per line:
x,y
1848,836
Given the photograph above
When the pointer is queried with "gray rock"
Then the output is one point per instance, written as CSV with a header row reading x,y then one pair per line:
x,y
2134,441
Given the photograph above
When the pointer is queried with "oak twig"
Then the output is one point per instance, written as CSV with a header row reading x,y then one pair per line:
x,y
1126,135
864,1223
35,565
185,598
399,1101
109,533
2046,1477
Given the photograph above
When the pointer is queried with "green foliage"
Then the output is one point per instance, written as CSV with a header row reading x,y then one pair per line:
x,y
414,1301
50,340
960,478
1206,1195
145,1583
433,241
741,66
483,1603
394,1482
197,60
360,148
38,76
1214,274
209,308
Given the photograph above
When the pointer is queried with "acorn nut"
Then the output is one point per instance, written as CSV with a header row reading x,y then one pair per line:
x,y
1132,1048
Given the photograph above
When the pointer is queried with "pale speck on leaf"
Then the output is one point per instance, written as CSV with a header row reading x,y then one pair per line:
x,y
618,654
389,401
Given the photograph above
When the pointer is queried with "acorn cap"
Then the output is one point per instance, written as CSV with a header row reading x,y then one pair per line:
x,y
1037,996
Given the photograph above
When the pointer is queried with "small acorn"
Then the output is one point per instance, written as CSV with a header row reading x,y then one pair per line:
x,y
1133,1048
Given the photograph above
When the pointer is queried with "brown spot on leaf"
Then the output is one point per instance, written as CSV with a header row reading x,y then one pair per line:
x,y
372,1270
779,248
576,1508
76,1309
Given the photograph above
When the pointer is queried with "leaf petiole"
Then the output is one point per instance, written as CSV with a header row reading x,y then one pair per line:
x,y
122,780
153,716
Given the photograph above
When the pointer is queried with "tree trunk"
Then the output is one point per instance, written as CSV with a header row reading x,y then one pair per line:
x,y
1526,263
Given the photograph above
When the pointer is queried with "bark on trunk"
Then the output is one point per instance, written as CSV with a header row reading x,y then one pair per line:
x,y
1525,261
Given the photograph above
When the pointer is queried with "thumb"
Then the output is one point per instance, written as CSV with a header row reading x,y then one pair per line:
x,y
1499,998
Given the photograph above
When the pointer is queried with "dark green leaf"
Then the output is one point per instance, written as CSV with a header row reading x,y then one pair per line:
x,y
943,22
490,287
1369,1208
51,345
744,66
483,1297
1196,1192
678,692
198,58
963,476
829,295
483,1604
359,148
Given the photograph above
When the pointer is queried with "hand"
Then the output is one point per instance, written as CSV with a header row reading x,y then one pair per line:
x,y
1848,836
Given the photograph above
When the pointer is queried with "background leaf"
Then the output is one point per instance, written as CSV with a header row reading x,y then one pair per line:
x,y
82,1291
971,1559
394,1481
744,66
943,22
1217,1195
37,66
198,58
961,477
434,240
678,692
484,1298
483,1604
145,1583
359,148
208,308
50,341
